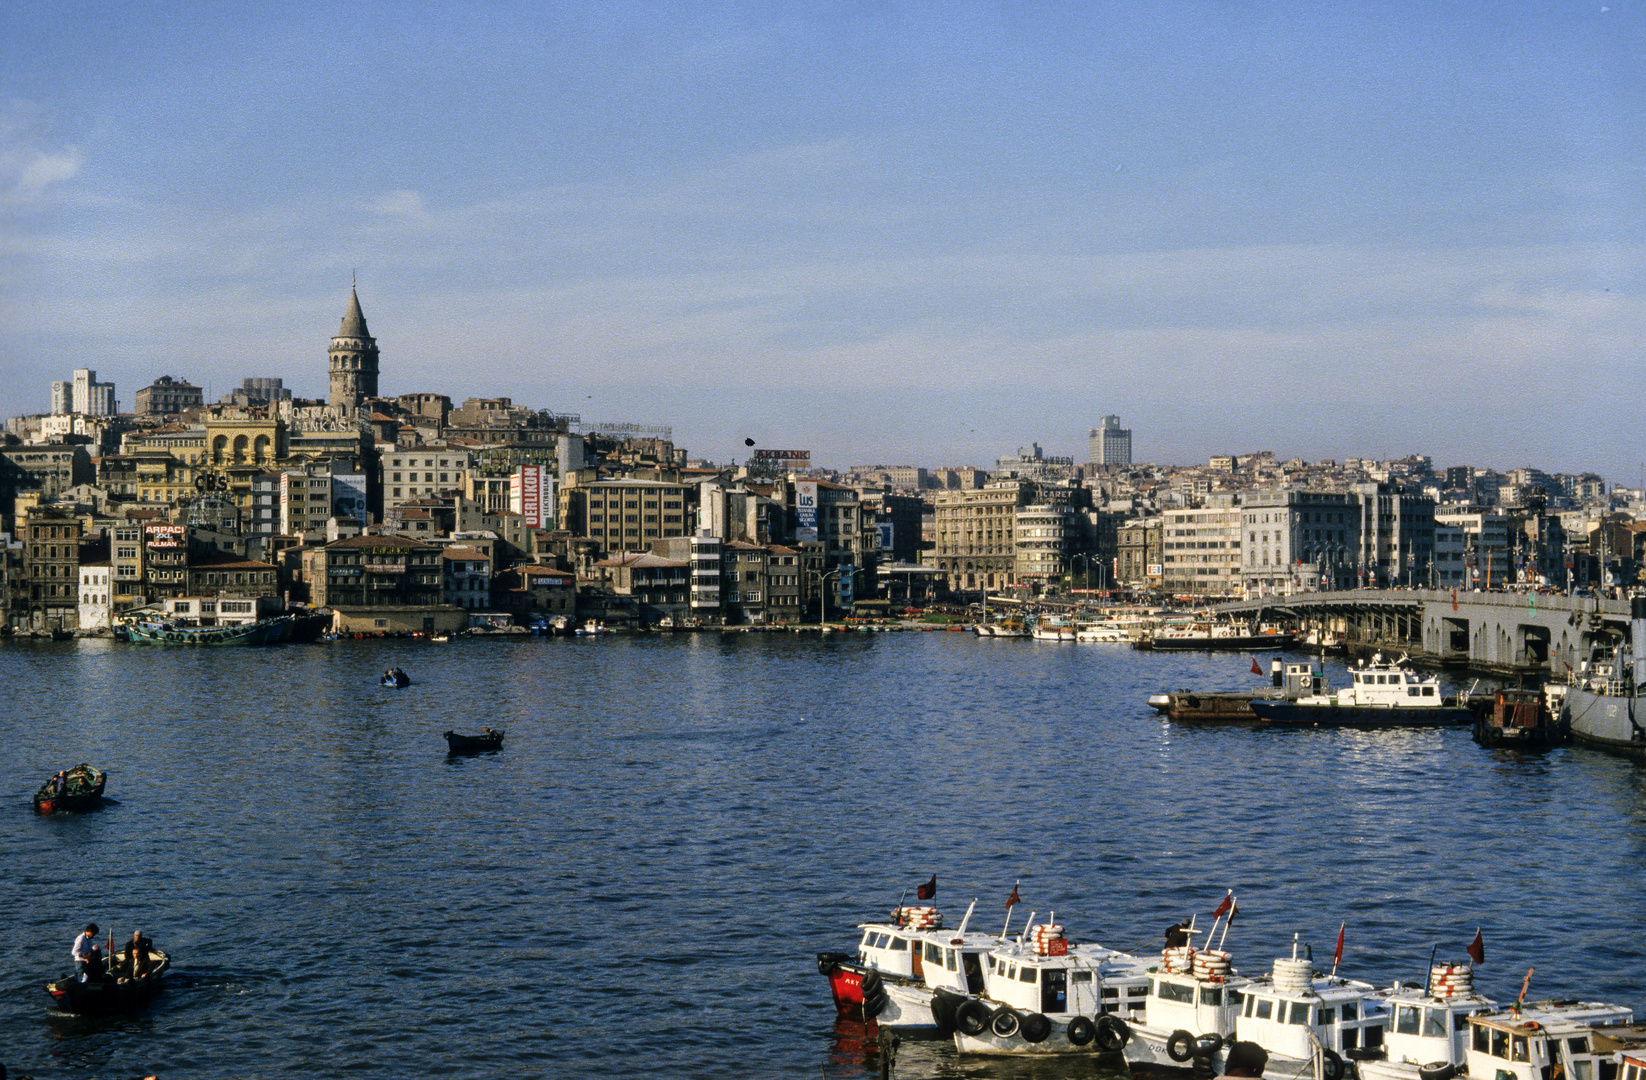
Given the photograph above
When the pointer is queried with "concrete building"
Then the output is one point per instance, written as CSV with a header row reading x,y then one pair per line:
x,y
468,577
51,570
419,472
1043,536
623,515
1110,444
84,394
1298,541
1485,539
311,495
1138,553
96,595
352,360
167,396
381,584
976,534
1200,549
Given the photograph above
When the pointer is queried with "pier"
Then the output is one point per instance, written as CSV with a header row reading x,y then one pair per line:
x,y
1523,634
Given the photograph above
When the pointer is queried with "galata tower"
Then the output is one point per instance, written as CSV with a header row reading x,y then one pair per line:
x,y
353,360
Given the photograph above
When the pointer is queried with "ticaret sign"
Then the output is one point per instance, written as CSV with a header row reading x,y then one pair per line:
x,y
527,494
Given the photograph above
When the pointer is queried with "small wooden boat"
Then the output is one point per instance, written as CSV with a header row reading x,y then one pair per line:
x,y
474,744
118,989
82,789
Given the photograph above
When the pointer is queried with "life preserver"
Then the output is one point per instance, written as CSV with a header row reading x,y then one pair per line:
x,y
1081,1031
1006,1023
1113,1033
1180,1046
1331,1065
973,1017
1035,1027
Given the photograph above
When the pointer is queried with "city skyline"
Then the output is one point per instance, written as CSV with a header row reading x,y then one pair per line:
x,y
885,235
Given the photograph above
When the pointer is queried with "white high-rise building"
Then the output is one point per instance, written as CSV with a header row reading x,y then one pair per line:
x,y
1110,444
84,395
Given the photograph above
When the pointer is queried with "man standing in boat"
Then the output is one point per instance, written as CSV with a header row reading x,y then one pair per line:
x,y
84,948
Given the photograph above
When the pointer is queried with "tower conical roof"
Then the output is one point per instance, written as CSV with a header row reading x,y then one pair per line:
x,y
354,320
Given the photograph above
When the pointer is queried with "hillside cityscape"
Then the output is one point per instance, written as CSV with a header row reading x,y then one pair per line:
x,y
413,514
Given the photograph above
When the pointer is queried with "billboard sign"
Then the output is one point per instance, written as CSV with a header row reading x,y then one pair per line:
x,y
777,462
159,534
527,492
885,528
805,511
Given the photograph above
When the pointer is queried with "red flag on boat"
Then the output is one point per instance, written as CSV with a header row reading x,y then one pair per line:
x,y
1234,909
1014,899
927,891
1477,948
1255,669
1228,901
1337,957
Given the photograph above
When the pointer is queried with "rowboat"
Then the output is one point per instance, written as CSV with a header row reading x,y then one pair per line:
x,y
486,740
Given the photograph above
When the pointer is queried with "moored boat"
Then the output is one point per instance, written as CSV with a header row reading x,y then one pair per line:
x,y
1381,694
1604,705
1290,680
1520,719
1544,1039
1426,1030
276,631
1236,635
1044,994
486,740
909,972
79,788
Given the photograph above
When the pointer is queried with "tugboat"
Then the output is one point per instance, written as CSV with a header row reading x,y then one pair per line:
x,y
909,973
1048,995
1426,1030
1541,1039
1520,719
1298,1015
1382,695
82,789
114,985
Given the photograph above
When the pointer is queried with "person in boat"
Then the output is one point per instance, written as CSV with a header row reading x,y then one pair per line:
x,y
1177,936
84,947
60,782
138,959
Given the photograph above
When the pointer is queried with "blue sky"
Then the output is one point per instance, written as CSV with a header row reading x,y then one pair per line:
x,y
901,233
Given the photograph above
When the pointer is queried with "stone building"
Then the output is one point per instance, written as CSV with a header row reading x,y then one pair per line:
x,y
167,396
1200,549
976,534
353,360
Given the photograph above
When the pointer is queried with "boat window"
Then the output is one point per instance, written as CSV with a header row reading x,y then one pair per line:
x,y
1579,1045
880,940
934,955
950,961
1629,1073
1086,976
1265,1008
1351,1011
1428,691
1167,991
1411,691
1460,1021
1300,1013
1517,1048
1008,970
1481,1038
1581,1071
1608,1070
899,944
1236,998
1500,1043
1250,1002
1504,1074
1434,1023
1325,1015
1211,995
1374,1035
868,939
1141,991
1027,974
1407,1019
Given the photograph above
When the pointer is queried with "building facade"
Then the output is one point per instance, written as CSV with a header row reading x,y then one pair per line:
x,y
1110,444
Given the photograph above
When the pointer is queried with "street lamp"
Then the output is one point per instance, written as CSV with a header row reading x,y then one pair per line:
x,y
822,593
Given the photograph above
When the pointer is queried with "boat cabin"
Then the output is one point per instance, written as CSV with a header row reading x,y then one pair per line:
x,y
1392,685
1292,1011
1570,1039
1045,973
1183,1001
1422,1029
917,947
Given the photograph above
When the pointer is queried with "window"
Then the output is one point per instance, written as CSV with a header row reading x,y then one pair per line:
x,y
1211,995
1300,1013
899,944
1265,1008
1028,974
1434,1023
934,955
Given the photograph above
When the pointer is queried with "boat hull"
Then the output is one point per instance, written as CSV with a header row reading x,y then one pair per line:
x,y
110,996
1606,722
1296,714
473,744
1245,643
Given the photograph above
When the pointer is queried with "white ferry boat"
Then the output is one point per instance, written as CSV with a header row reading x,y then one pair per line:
x,y
900,965
1190,1011
1298,1015
1426,1028
1381,694
1574,1040
1043,994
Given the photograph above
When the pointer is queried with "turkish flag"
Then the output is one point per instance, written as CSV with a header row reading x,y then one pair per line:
x,y
1477,948
1225,907
927,891
1337,958
1255,669
1013,899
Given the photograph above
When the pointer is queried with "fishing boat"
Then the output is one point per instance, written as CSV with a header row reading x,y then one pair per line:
x,y
1306,1020
1289,680
1191,1005
486,740
1519,719
908,973
1103,634
1013,627
1381,694
1539,1040
1603,706
276,631
1045,994
81,789
1050,630
114,987
1426,1030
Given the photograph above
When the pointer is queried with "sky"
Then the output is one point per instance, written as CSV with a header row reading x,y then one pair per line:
x,y
899,233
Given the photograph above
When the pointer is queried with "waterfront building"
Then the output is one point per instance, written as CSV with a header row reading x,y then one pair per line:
x,y
51,538
47,471
96,595
1485,541
1109,444
381,584
643,587
1042,538
311,495
468,577
623,515
418,472
704,551
1397,534
352,360
1298,541
167,396
1138,553
1200,549
975,534
531,592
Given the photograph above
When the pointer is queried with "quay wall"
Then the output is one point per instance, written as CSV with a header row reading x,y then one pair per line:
x,y
1510,633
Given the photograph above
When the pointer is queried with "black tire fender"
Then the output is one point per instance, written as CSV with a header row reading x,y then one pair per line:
x,y
1180,1045
1035,1027
1006,1023
1208,1044
973,1017
1081,1031
1331,1065
1113,1033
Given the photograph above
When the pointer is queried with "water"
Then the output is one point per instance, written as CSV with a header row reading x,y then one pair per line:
x,y
639,881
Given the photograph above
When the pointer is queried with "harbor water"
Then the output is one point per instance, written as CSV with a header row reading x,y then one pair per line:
x,y
638,882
